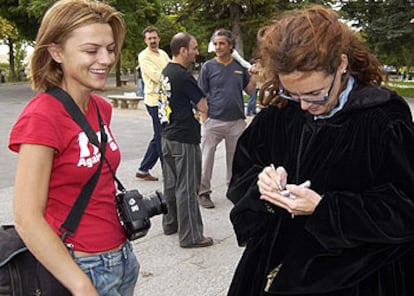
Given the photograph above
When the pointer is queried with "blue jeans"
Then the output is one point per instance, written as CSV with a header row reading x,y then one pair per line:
x,y
154,147
140,88
251,103
114,273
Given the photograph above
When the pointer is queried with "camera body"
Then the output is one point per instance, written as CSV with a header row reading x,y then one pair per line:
x,y
135,211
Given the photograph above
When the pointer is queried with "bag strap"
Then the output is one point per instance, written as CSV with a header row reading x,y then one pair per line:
x,y
80,119
73,218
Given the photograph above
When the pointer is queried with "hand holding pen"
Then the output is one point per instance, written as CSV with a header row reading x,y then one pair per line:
x,y
296,199
281,177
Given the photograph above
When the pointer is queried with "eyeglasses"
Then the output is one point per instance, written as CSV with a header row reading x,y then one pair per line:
x,y
282,94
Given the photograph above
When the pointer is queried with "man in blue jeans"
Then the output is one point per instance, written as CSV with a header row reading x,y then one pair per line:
x,y
152,61
251,104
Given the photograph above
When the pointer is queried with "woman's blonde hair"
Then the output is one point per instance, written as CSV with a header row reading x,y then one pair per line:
x,y
58,23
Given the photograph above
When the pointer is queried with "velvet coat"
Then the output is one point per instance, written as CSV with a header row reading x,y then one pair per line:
x,y
360,238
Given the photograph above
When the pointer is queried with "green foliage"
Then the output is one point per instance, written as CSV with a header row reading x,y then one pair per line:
x,y
202,18
36,8
138,15
25,23
172,7
388,27
20,27
7,29
168,28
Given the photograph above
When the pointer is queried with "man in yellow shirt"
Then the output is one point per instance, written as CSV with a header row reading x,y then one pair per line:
x,y
152,61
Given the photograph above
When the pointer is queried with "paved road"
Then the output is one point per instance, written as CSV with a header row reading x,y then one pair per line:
x,y
166,269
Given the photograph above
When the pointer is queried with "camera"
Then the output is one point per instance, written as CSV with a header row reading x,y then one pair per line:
x,y
135,211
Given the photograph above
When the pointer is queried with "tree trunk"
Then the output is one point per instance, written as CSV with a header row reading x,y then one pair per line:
x,y
11,60
235,24
409,60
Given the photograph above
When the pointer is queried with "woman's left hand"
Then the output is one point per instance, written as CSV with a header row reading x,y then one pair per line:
x,y
302,201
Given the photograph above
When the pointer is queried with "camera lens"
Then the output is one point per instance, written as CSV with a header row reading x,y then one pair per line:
x,y
155,204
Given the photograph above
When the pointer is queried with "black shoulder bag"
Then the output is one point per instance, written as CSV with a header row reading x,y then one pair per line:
x,y
21,274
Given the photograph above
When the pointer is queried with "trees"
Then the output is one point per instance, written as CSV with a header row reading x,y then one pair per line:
x,y
137,15
242,17
19,27
387,26
24,17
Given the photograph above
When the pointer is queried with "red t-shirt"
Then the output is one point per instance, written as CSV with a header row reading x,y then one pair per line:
x,y
45,121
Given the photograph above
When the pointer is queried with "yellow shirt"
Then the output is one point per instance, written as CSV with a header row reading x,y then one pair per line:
x,y
152,63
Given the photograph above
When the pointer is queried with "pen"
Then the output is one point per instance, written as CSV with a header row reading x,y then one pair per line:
x,y
282,191
278,181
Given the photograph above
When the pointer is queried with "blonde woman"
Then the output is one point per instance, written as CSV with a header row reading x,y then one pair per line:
x,y
77,44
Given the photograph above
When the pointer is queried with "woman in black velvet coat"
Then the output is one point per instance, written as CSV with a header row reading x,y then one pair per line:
x,y
329,121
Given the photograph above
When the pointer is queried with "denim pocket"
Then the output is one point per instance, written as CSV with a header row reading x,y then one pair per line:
x,y
112,273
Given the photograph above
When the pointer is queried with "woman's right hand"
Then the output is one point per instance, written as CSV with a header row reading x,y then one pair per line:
x,y
298,200
31,188
88,290
272,180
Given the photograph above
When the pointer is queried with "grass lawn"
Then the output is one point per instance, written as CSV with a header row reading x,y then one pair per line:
x,y
403,88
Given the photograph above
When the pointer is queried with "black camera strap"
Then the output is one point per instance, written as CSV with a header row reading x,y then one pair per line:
x,y
72,220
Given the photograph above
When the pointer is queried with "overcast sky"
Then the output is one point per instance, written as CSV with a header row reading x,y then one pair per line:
x,y
4,53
